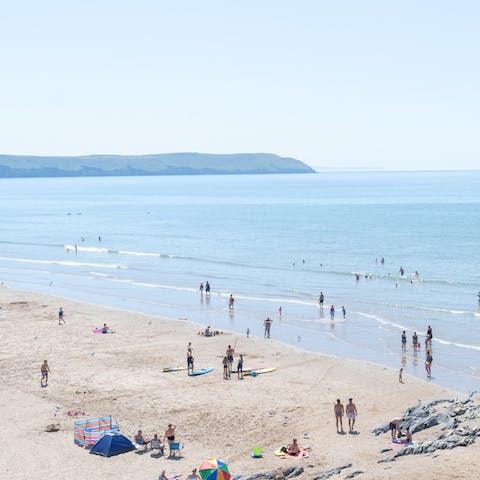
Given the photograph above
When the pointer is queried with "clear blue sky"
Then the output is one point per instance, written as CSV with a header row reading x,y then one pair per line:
x,y
388,84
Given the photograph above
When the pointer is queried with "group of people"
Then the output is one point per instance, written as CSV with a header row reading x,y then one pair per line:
x,y
416,345
321,300
340,410
155,443
399,435
227,363
205,287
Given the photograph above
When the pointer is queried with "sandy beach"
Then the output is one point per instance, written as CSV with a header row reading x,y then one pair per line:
x,y
121,375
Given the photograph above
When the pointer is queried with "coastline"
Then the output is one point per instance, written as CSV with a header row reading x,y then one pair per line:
x,y
122,376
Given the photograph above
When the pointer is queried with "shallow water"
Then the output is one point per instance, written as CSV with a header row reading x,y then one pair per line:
x,y
270,240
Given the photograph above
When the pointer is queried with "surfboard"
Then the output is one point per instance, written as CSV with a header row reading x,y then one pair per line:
x,y
254,373
174,369
201,371
246,371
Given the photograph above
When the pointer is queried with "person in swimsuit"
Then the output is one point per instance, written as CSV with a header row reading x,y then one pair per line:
x,y
189,363
332,313
170,436
201,288
225,368
344,312
141,440
267,323
61,320
339,410
240,368
404,340
428,364
45,369
229,353
429,332
293,448
351,411
321,299
105,328
415,340
395,426
207,287
400,376
231,302
194,475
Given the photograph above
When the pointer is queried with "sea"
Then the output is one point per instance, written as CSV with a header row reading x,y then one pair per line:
x,y
146,244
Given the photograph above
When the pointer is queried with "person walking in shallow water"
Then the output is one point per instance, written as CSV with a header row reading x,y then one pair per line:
x,y
332,313
404,341
267,323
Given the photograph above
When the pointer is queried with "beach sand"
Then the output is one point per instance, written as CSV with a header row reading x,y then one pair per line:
x,y
121,375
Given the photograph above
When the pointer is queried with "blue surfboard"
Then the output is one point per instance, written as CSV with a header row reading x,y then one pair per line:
x,y
201,372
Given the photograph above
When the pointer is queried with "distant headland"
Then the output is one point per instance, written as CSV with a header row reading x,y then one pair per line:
x,y
15,166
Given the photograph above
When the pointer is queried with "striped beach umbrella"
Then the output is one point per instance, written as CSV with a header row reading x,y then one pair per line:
x,y
213,469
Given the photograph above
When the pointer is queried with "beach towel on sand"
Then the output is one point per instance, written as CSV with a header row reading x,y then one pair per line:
x,y
282,454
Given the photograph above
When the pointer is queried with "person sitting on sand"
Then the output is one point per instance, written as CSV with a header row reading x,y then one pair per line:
x,y
156,444
105,328
141,440
194,475
163,475
293,448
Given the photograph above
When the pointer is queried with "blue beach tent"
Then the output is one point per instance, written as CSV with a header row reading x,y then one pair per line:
x,y
112,444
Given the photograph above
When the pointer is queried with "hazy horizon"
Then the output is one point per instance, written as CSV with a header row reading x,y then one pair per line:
x,y
349,85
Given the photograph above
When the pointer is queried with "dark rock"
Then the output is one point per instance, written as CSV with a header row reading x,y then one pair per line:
x,y
331,472
293,472
354,474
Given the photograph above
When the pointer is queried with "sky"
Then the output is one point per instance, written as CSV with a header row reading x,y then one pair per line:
x,y
337,84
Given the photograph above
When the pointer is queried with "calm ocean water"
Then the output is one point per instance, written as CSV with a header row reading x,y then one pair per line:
x,y
270,240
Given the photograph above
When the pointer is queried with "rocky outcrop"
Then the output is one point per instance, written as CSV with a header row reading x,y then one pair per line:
x,y
458,420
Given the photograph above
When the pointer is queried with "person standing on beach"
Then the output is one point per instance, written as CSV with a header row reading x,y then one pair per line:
x,y
189,348
280,311
61,320
332,313
339,411
344,312
240,368
321,299
351,411
207,288
267,323
170,436
404,341
189,362
248,333
201,288
225,368
229,354
45,369
400,376
231,302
